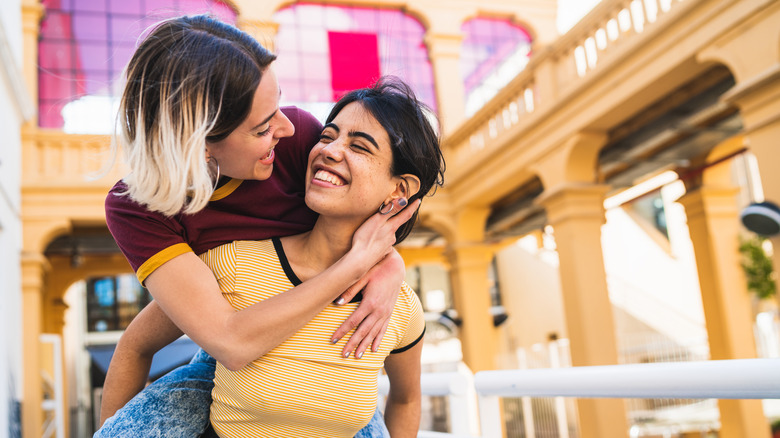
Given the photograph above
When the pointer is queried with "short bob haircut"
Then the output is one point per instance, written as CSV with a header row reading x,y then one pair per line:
x,y
414,140
192,80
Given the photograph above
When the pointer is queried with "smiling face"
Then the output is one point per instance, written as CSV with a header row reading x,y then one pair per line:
x,y
349,174
247,153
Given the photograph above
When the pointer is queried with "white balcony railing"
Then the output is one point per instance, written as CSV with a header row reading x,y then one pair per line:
x,y
717,379
53,403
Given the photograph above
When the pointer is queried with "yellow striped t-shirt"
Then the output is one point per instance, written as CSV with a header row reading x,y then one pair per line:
x,y
303,387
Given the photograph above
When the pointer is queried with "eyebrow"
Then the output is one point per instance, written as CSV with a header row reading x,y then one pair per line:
x,y
360,134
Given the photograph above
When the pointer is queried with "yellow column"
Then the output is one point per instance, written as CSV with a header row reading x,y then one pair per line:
x,y
444,53
713,220
34,267
469,259
576,213
32,13
469,264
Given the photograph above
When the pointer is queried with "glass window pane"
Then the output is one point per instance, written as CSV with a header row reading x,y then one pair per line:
x,y
87,43
55,55
55,86
50,114
399,40
92,57
90,27
90,6
126,7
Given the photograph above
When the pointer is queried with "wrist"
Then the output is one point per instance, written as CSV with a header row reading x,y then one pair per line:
x,y
355,265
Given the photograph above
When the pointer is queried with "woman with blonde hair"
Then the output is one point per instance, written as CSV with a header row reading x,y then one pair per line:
x,y
214,159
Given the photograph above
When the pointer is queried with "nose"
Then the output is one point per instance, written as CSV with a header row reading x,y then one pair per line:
x,y
334,150
285,126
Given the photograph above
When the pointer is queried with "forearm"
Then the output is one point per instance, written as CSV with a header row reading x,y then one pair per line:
x,y
402,417
188,292
150,331
126,377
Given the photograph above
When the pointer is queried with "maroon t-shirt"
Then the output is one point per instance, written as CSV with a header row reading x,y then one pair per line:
x,y
238,210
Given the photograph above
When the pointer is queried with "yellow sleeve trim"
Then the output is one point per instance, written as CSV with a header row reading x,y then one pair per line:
x,y
161,257
225,190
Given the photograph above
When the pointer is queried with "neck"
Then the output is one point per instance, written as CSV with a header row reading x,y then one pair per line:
x,y
313,252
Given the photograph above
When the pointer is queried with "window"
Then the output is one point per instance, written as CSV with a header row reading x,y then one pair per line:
x,y
494,52
651,208
325,50
83,47
112,302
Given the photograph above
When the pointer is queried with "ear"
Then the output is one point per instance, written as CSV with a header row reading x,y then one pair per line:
x,y
406,186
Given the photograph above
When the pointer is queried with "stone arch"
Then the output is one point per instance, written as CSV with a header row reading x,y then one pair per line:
x,y
575,161
517,213
38,235
747,54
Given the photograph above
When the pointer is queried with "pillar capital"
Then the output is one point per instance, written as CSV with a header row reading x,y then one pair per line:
x,y
574,200
264,31
470,255
711,201
32,13
34,267
443,44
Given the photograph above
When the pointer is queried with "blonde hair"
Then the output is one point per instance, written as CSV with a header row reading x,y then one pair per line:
x,y
191,81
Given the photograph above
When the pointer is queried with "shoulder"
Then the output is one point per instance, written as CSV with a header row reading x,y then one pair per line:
x,y
409,295
408,305
118,201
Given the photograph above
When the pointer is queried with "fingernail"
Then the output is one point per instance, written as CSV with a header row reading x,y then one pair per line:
x,y
359,355
340,301
346,354
333,341
402,202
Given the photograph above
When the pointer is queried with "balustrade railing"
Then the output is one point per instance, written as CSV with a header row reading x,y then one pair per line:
x,y
57,159
554,72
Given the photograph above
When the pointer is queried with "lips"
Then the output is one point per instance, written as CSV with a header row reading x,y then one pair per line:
x,y
269,158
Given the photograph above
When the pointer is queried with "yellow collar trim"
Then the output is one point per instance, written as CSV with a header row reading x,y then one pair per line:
x,y
226,189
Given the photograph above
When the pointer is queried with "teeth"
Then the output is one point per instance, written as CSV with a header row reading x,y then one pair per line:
x,y
270,152
324,175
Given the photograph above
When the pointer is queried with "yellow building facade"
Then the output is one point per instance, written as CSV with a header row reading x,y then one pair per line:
x,y
579,124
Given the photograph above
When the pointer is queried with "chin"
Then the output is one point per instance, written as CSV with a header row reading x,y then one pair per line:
x,y
263,174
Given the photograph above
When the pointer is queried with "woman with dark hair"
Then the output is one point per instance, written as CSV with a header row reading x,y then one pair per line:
x,y
377,146
214,159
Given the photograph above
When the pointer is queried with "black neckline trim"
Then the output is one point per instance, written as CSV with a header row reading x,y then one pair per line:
x,y
284,262
288,271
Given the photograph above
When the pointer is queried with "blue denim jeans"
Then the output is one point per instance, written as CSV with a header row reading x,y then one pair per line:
x,y
177,406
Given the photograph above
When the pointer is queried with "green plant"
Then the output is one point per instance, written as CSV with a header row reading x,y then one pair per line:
x,y
757,266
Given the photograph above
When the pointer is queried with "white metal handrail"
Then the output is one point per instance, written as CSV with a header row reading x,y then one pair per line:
x,y
716,379
721,379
